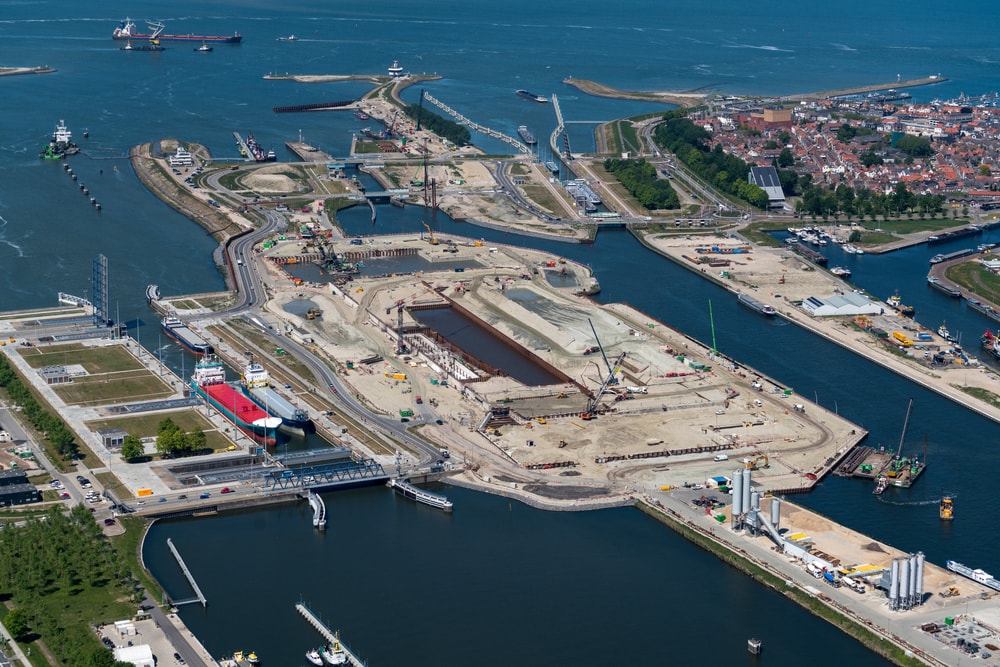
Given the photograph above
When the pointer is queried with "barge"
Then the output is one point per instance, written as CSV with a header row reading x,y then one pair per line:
x,y
754,304
404,488
947,289
526,135
180,332
937,259
977,575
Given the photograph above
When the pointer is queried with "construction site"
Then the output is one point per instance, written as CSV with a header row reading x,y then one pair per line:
x,y
515,360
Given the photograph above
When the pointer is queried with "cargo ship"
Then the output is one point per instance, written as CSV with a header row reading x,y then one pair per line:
x,y
754,304
127,30
209,382
180,332
404,488
256,382
977,575
531,96
526,135
947,289
250,149
991,343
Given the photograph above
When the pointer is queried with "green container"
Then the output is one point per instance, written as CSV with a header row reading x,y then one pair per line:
x,y
948,620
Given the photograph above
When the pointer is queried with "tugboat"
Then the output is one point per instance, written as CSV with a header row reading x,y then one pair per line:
x,y
945,333
204,48
313,656
946,510
896,303
334,654
881,484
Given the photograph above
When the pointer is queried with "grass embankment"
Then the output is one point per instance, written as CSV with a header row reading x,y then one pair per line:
x,y
813,604
976,278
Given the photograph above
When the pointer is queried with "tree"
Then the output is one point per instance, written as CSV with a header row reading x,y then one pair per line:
x,y
16,622
785,158
984,170
132,447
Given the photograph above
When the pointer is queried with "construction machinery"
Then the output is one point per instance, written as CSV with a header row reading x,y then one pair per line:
x,y
430,233
756,463
950,593
596,397
611,373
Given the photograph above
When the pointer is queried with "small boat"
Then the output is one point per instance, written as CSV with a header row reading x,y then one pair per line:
x,y
252,658
204,48
290,38
841,272
313,656
334,654
896,303
881,484
946,510
944,333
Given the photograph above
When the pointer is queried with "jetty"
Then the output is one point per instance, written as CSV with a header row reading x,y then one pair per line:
x,y
199,596
330,637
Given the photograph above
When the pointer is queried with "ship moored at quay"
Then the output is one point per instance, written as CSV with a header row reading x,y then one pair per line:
x,y
256,382
977,575
404,488
209,382
179,331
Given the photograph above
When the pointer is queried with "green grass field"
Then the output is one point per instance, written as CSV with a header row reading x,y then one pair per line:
x,y
118,388
94,360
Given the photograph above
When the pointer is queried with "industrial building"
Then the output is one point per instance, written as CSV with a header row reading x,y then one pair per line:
x,y
766,178
850,304
15,489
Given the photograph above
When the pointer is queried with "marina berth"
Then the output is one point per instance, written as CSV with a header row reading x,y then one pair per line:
x,y
407,490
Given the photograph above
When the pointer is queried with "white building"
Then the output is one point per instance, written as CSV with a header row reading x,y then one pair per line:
x,y
140,656
841,304
181,158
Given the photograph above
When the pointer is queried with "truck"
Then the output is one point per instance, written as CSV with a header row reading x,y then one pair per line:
x,y
831,579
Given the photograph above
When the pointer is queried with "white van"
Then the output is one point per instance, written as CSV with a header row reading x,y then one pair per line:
x,y
721,457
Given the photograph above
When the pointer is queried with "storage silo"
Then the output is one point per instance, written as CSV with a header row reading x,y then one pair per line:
x,y
776,512
755,500
737,494
920,577
914,568
894,584
904,583
746,490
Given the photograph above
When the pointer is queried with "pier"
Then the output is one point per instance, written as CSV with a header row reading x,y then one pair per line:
x,y
319,510
330,637
190,577
477,127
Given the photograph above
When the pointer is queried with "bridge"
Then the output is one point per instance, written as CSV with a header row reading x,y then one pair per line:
x,y
337,474
477,127
332,638
200,597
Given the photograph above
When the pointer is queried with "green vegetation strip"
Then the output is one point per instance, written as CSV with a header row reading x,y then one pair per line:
x,y
814,605
984,395
976,278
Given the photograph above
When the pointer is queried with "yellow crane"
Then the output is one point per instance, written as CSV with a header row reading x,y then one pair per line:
x,y
430,233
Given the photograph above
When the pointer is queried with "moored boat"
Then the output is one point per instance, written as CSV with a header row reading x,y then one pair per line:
x,y
334,654
841,272
180,332
943,287
252,150
209,382
404,488
881,484
896,303
256,382
313,656
977,575
945,333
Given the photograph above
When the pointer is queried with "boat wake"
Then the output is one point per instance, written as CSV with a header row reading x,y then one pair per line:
x,y
911,503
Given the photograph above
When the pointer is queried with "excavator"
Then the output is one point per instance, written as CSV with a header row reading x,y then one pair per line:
x,y
756,462
430,233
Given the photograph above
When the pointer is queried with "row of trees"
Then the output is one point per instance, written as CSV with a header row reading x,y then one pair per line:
x,y
48,424
62,563
861,202
692,145
450,130
639,178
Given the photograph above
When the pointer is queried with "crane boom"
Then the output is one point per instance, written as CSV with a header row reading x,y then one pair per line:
x,y
600,347
610,379
902,436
